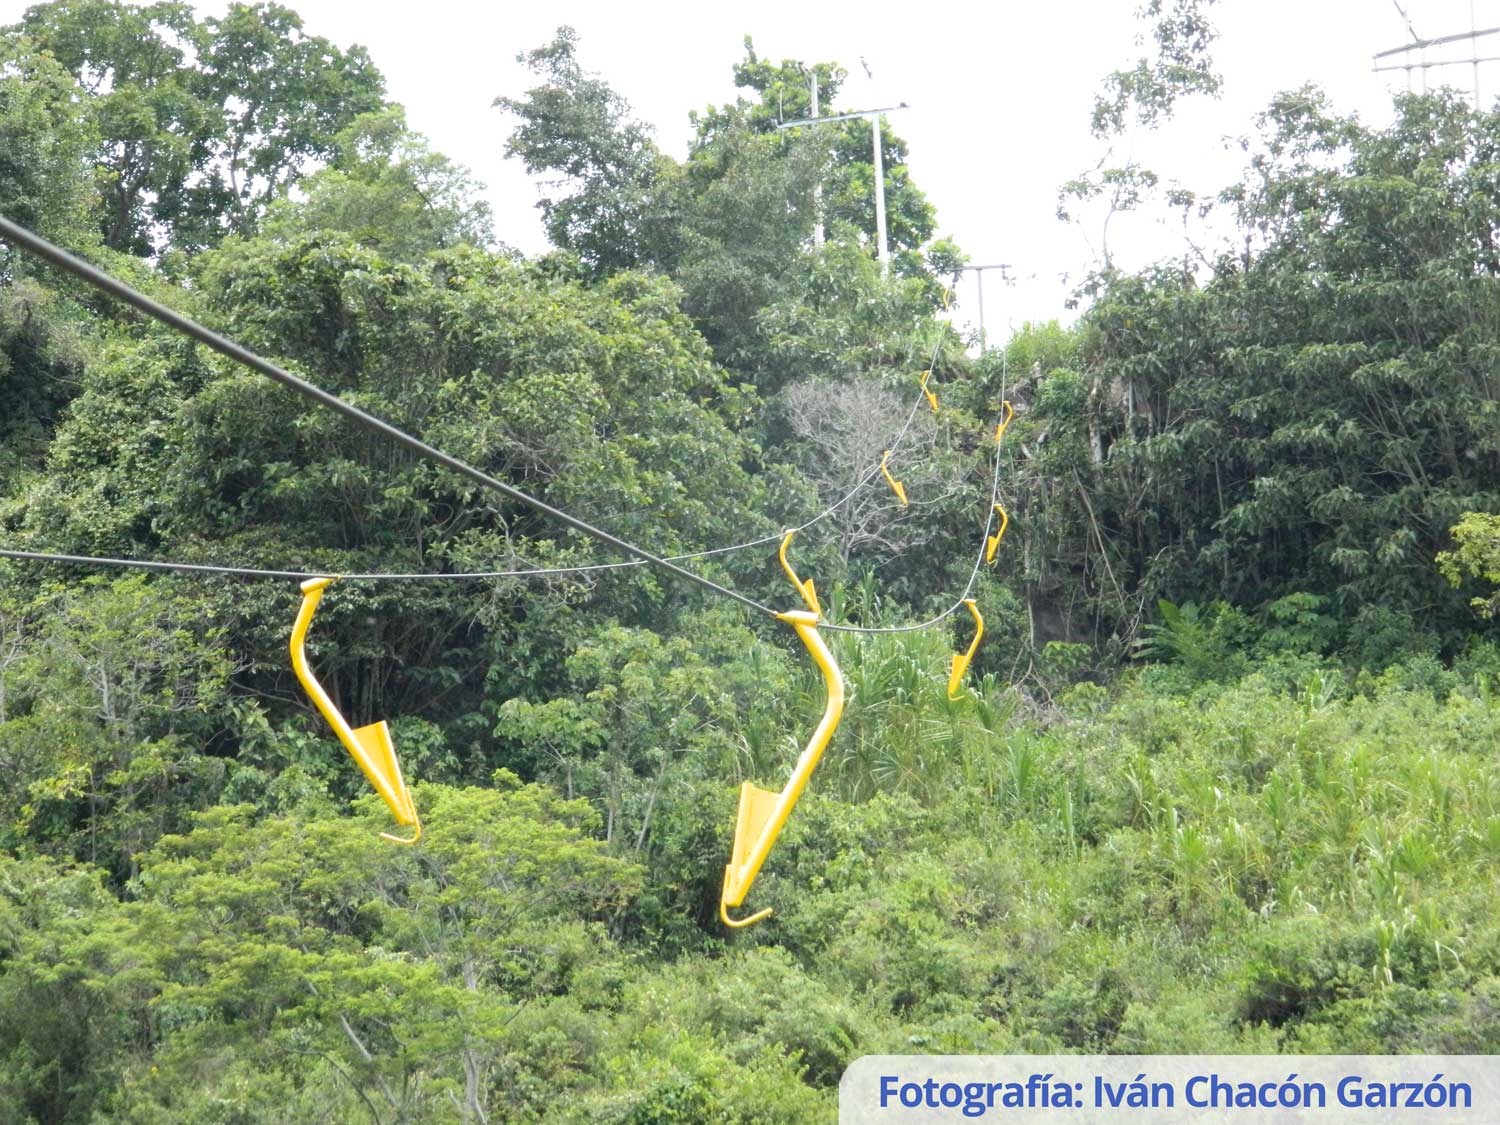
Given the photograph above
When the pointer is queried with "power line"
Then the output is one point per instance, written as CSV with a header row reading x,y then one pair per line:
x,y
102,281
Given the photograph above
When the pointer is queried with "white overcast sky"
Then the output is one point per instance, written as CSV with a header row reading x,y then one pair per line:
x,y
1000,96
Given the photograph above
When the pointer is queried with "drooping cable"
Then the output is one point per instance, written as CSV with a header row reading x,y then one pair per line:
x,y
968,586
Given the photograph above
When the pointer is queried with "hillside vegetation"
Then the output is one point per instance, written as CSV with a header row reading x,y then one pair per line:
x,y
1223,777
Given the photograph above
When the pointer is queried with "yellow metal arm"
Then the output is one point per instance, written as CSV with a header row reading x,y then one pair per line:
x,y
762,813
961,660
931,398
809,595
992,543
1010,412
371,745
896,486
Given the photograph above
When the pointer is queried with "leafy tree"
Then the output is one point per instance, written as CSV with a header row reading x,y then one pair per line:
x,y
309,974
111,699
281,99
578,130
46,137
836,317
60,1033
733,222
201,125
1145,96
1148,92
648,715
783,93
42,352
1313,417
389,191
744,223
1476,554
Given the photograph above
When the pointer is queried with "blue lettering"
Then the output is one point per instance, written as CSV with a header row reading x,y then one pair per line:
x,y
1194,1099
1350,1092
979,1097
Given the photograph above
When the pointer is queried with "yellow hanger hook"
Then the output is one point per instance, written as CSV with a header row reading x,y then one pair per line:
x,y
931,398
762,813
805,589
896,486
992,544
1010,412
741,923
961,659
370,745
415,836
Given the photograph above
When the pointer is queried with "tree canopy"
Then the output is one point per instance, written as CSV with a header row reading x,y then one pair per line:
x,y
1216,781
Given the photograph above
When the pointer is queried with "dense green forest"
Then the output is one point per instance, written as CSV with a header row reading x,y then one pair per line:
x,y
1224,776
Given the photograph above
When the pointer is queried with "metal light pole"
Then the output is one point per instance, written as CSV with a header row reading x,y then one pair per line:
x,y
979,270
882,247
817,187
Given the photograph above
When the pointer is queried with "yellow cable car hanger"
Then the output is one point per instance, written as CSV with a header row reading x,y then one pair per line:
x,y
896,486
762,813
962,660
809,594
370,745
1010,412
992,542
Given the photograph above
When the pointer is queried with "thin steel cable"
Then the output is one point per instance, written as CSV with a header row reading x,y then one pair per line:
x,y
968,586
295,575
143,564
92,275
299,575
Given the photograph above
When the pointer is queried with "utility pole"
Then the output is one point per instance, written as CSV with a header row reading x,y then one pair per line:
x,y
882,248
874,115
979,271
817,187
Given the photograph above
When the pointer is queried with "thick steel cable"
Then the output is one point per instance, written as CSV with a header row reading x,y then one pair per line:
x,y
92,275
103,281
